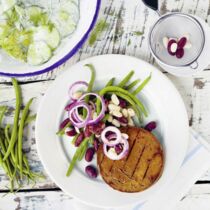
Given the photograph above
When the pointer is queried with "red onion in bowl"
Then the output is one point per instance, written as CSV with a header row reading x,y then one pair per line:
x,y
116,136
103,107
76,86
76,122
113,154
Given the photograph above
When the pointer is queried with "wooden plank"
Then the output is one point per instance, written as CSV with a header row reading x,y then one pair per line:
x,y
197,198
125,18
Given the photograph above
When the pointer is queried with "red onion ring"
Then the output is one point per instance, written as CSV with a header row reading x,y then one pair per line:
x,y
75,86
116,134
103,107
114,155
75,122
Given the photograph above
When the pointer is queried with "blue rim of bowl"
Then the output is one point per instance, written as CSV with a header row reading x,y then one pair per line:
x,y
66,57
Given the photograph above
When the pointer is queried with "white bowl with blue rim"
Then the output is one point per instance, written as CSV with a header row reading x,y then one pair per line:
x,y
68,47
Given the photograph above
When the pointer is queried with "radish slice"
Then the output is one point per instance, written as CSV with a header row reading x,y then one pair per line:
x,y
75,87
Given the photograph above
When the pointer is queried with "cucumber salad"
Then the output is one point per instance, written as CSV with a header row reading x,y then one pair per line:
x,y
32,33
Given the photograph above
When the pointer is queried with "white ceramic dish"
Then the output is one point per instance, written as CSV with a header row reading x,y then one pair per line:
x,y
69,46
163,103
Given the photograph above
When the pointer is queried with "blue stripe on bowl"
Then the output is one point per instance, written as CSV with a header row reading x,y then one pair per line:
x,y
66,57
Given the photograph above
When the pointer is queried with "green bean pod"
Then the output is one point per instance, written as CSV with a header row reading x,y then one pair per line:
x,y
126,79
142,85
16,119
20,135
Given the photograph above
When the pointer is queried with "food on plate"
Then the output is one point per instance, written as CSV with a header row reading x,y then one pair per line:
x,y
176,47
108,123
31,34
139,169
12,158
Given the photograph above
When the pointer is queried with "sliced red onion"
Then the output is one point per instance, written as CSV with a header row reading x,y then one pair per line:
x,y
115,138
103,107
75,122
75,87
69,106
111,152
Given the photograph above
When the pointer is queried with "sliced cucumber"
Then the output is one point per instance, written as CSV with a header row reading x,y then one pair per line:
x,y
66,17
38,53
6,5
49,35
36,15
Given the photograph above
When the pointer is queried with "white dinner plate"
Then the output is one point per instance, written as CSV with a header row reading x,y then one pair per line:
x,y
164,105
88,10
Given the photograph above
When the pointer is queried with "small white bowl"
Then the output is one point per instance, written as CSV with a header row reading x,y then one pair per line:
x,y
172,25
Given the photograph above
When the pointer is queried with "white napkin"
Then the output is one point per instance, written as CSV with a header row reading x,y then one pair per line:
x,y
196,162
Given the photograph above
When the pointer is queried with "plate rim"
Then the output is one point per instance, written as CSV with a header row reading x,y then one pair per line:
x,y
67,56
184,110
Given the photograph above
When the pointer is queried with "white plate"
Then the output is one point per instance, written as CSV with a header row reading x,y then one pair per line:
x,y
69,46
163,103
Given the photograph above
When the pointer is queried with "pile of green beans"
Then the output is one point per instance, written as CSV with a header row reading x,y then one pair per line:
x,y
124,91
12,159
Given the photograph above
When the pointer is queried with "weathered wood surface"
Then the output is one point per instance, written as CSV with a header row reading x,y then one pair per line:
x,y
125,18
198,198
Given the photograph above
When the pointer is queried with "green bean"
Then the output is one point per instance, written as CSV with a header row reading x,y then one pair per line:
x,y
90,85
30,119
62,131
105,118
83,151
2,113
133,84
20,135
110,82
3,149
75,138
16,119
76,156
126,79
7,139
92,79
142,85
120,90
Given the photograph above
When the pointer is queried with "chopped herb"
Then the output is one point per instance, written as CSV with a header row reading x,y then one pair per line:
x,y
138,33
97,31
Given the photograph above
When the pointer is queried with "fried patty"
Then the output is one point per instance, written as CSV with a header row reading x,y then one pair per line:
x,y
139,169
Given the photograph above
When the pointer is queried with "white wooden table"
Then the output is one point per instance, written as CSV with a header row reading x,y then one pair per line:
x,y
125,18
